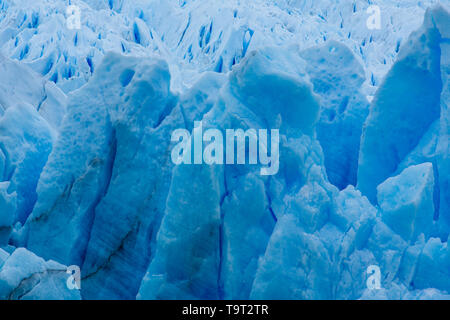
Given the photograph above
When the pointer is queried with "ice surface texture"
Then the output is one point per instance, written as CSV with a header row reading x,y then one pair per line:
x,y
86,176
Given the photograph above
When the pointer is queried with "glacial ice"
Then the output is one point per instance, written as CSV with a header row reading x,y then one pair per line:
x,y
408,97
23,165
24,276
86,176
7,212
406,201
335,73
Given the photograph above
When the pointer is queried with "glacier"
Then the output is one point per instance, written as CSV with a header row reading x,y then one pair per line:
x,y
87,179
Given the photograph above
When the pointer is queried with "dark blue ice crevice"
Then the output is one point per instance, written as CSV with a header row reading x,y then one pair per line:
x,y
126,77
208,35
171,104
205,35
24,52
5,175
54,77
48,66
220,285
90,64
219,65
185,30
136,33
248,35
115,5
34,20
269,199
201,35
